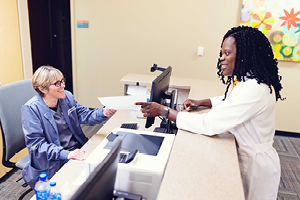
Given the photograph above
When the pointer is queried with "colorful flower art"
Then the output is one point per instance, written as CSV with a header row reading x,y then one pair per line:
x,y
279,21
290,18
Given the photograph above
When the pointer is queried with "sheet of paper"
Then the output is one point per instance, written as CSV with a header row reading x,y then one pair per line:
x,y
81,178
123,102
137,90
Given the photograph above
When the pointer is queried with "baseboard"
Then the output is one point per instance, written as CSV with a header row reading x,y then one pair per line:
x,y
288,134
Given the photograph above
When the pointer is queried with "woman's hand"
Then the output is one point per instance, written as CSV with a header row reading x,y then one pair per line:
x,y
203,102
150,109
188,102
77,154
109,112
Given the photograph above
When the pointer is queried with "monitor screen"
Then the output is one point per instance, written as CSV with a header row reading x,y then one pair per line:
x,y
159,86
146,144
100,184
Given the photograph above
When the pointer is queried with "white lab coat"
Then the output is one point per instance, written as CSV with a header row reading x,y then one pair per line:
x,y
249,114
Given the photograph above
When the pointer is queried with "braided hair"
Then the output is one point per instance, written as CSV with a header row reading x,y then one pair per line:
x,y
254,59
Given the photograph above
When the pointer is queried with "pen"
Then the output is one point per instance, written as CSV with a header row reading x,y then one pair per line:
x,y
192,106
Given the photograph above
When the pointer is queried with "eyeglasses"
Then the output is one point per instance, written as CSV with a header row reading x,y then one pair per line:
x,y
58,83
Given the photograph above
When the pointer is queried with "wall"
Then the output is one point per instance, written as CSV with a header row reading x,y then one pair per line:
x,y
10,55
129,36
288,111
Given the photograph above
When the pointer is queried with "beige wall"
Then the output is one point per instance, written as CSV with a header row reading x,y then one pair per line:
x,y
129,36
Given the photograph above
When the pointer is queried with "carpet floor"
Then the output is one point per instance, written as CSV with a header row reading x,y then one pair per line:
x,y
288,149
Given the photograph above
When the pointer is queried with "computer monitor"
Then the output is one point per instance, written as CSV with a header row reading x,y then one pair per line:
x,y
100,184
159,89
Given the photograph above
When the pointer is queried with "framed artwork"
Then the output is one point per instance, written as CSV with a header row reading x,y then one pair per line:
x,y
279,20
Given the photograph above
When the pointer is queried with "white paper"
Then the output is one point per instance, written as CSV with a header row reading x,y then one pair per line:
x,y
123,102
81,178
136,90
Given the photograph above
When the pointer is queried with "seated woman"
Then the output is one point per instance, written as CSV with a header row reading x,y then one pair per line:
x,y
51,125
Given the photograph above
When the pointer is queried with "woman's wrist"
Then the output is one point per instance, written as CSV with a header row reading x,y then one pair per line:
x,y
205,102
165,112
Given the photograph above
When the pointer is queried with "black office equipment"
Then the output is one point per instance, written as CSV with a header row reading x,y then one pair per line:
x,y
100,184
146,144
129,125
154,68
127,195
159,94
193,106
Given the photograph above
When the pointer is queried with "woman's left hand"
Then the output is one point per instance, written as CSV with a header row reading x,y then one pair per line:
x,y
109,112
77,154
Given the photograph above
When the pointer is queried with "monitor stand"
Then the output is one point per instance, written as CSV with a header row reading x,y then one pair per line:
x,y
168,126
163,130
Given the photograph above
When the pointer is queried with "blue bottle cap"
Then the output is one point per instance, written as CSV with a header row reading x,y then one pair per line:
x,y
52,184
43,173
43,176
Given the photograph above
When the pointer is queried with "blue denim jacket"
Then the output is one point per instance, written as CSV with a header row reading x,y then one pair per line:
x,y
41,135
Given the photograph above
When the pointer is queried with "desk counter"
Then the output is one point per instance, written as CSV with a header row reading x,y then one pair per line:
x,y
199,167
66,177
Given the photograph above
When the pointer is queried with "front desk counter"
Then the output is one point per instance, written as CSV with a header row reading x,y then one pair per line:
x,y
199,167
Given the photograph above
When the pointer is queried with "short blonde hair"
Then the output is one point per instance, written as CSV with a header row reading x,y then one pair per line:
x,y
43,77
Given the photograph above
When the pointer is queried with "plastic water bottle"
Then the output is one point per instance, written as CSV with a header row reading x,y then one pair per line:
x,y
54,192
42,187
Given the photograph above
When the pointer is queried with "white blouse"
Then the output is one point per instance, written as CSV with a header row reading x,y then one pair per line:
x,y
249,114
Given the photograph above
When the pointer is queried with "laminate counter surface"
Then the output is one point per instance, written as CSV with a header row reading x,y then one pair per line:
x,y
199,167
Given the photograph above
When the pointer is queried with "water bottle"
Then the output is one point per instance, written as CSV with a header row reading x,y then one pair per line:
x,y
42,187
54,192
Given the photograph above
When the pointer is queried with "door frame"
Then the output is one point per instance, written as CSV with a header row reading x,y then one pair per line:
x,y
26,41
25,38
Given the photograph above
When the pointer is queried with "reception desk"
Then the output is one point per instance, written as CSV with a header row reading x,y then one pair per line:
x,y
199,167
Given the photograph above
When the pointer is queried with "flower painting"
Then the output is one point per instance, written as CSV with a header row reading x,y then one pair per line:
x,y
279,20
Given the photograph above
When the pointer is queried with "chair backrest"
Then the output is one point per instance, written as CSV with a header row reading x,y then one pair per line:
x,y
12,97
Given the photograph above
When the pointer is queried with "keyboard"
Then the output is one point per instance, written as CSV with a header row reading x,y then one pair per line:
x,y
129,125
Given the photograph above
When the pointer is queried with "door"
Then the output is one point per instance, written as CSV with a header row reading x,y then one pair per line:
x,y
50,33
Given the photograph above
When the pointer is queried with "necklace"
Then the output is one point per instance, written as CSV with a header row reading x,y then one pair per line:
x,y
234,84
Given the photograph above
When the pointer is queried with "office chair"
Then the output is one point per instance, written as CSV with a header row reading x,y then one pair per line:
x,y
12,97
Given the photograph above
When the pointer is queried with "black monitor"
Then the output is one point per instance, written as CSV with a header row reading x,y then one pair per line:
x,y
159,89
101,182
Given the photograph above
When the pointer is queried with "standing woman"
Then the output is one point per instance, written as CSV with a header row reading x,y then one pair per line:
x,y
51,125
247,109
